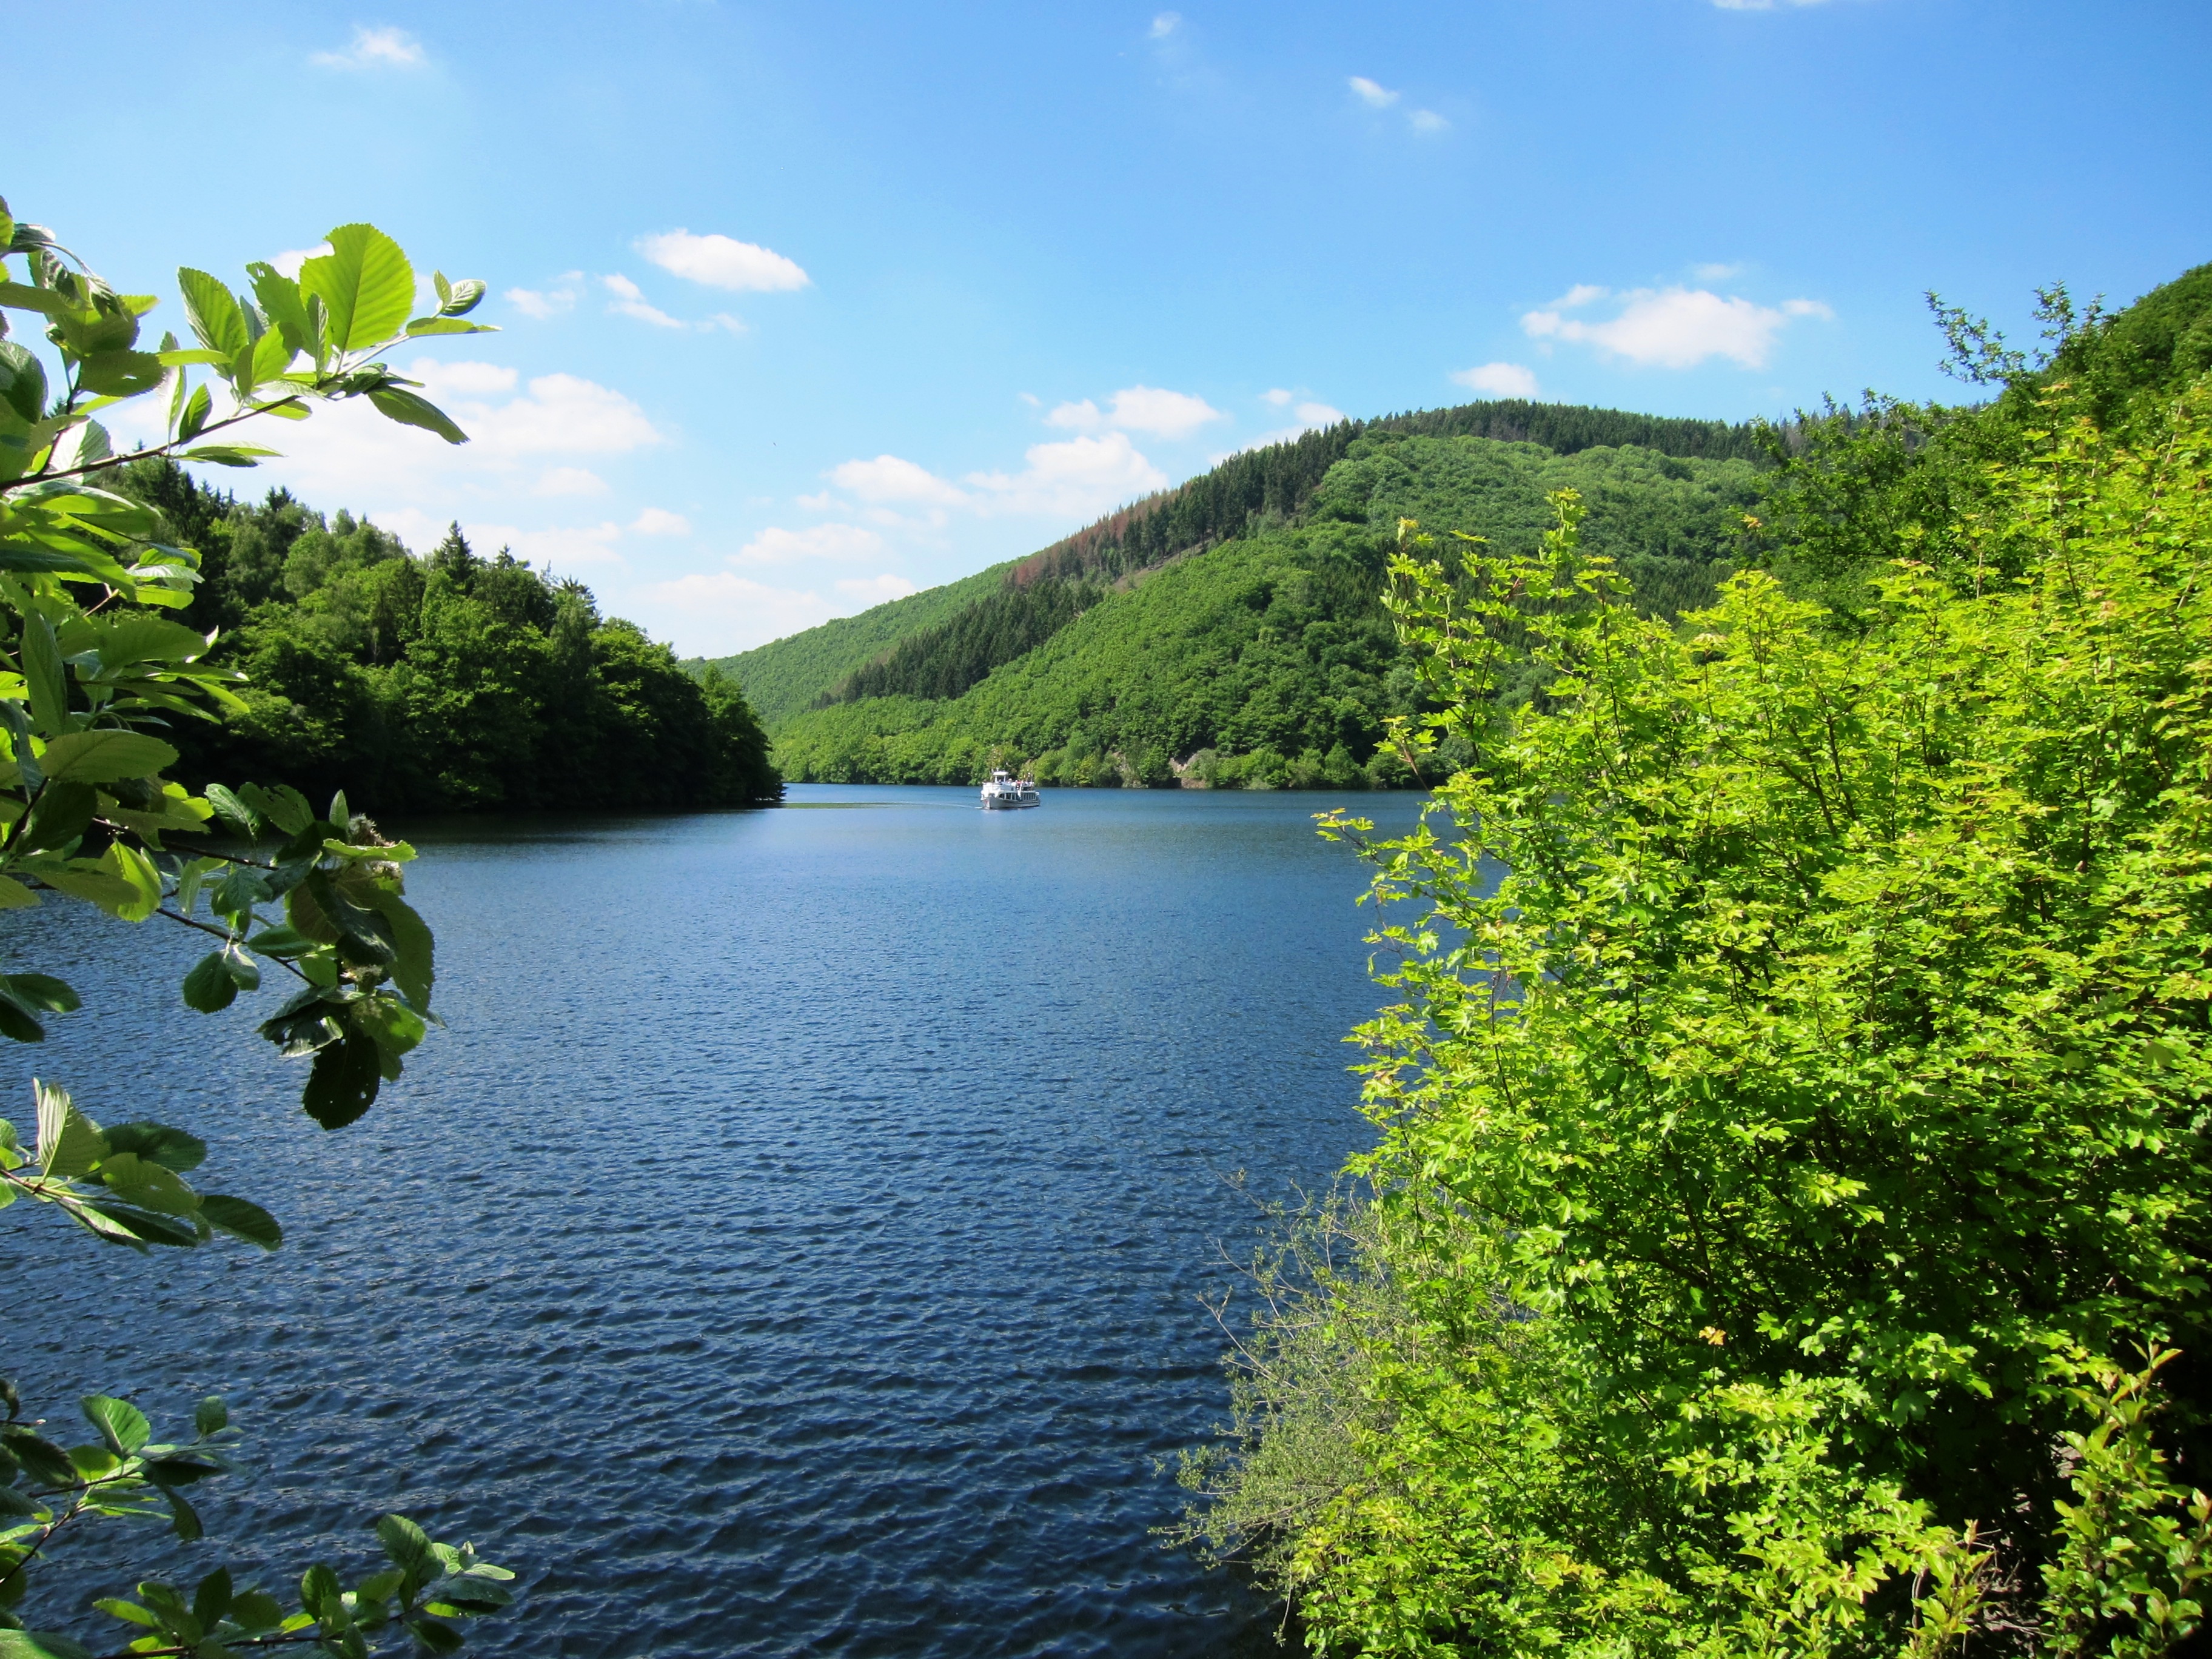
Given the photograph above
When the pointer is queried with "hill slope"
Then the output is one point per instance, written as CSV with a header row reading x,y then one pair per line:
x,y
1267,659
992,617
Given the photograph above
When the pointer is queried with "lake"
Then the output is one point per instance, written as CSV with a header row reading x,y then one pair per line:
x,y
794,1244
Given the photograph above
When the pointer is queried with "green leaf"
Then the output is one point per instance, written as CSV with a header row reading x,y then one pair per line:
x,y
211,1602
89,879
413,967
211,1416
141,1182
130,865
107,755
408,1546
320,1594
212,310
183,1519
70,1143
397,404
42,991
242,887
157,1143
193,416
21,296
365,283
417,327
127,1224
42,1460
234,812
255,1610
457,299
61,813
343,1083
241,455
394,1028
120,374
208,987
283,806
281,303
42,673
240,1219
40,1644
121,1424
434,1635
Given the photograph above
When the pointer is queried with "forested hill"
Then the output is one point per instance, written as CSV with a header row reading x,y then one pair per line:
x,y
975,624
441,682
1265,658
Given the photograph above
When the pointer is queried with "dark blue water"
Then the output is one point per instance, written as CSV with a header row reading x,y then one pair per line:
x,y
792,1247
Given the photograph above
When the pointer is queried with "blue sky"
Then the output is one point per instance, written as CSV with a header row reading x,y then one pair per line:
x,y
808,306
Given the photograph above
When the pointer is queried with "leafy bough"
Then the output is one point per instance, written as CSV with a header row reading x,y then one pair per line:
x,y
90,671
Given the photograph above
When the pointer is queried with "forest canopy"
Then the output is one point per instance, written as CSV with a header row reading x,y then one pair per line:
x,y
445,682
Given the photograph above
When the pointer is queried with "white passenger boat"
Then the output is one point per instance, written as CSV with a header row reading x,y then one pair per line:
x,y
1004,792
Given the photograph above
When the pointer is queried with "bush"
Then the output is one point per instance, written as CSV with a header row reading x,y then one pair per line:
x,y
1806,1134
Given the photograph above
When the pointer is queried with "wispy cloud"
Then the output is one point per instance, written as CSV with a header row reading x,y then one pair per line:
x,y
1164,24
629,301
723,262
569,481
1715,273
385,48
1672,328
545,303
1376,96
836,542
1498,379
659,522
1076,480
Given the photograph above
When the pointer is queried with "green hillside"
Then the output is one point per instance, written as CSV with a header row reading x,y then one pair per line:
x,y
1265,659
785,676
937,642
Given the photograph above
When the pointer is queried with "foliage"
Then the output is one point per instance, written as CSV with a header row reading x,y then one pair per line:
x,y
1794,1116
449,682
1273,651
90,669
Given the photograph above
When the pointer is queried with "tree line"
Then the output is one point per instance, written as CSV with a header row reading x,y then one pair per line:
x,y
445,682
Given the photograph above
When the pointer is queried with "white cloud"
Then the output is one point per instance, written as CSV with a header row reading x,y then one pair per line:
x,y
712,613
1675,327
1498,379
817,503
1078,479
1372,93
1715,273
1308,415
1149,409
1313,414
659,522
1426,120
385,48
544,304
562,547
629,302
1279,397
776,545
462,379
291,260
872,591
1164,24
889,478
561,412
570,481
721,262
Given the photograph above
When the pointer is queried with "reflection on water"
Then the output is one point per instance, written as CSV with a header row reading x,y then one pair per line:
x,y
793,1245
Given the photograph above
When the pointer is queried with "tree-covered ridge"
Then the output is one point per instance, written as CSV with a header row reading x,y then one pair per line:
x,y
1268,660
1245,494
788,675
944,660
449,682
